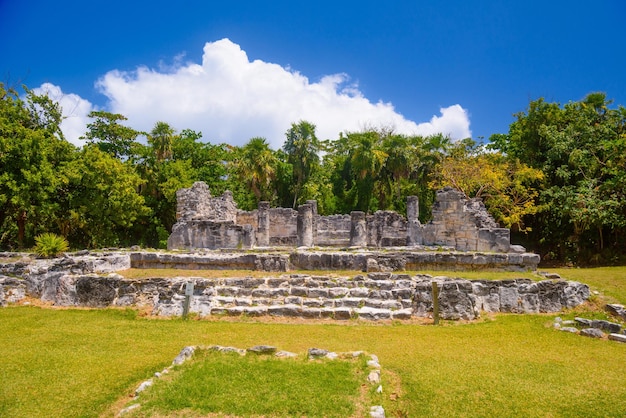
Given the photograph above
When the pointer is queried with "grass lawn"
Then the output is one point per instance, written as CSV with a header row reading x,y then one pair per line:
x,y
215,382
85,363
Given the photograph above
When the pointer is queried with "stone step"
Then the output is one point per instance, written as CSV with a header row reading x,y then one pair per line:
x,y
352,303
298,311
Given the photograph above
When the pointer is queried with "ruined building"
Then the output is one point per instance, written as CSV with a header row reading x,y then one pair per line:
x,y
210,222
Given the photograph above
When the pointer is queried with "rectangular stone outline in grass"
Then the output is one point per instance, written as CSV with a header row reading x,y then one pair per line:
x,y
370,367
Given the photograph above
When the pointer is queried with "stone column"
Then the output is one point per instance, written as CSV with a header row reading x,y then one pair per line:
x,y
247,236
263,231
305,226
414,236
358,229
313,204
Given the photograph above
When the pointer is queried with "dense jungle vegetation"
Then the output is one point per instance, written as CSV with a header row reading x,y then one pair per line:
x,y
557,178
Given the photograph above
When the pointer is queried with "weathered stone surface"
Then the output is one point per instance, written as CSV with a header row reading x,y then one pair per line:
x,y
185,354
618,337
12,290
584,322
380,295
617,310
317,353
610,327
262,349
377,411
305,225
592,332
358,229
204,221
411,259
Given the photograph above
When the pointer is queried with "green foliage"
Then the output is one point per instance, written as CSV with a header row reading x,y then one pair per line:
x,y
508,187
50,245
558,176
302,148
254,165
32,158
110,135
101,199
581,149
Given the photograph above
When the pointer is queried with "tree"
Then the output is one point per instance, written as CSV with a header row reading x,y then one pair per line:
x,y
102,199
161,138
581,148
110,136
302,148
508,187
254,165
32,156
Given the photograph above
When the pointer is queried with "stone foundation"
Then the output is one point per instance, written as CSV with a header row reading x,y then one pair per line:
x,y
91,281
399,259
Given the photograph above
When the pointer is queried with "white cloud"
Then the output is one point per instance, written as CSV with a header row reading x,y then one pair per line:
x,y
454,121
230,99
74,109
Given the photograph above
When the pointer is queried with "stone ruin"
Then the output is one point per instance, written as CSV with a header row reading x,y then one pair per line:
x,y
207,222
90,280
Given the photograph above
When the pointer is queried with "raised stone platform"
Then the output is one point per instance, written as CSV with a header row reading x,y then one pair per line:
x,y
393,259
90,280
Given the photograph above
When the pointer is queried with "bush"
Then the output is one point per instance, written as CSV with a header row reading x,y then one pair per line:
x,y
50,245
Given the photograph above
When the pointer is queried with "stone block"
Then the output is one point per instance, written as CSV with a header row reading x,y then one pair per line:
x,y
285,310
359,292
373,313
299,291
342,313
318,293
592,332
610,327
618,337
405,313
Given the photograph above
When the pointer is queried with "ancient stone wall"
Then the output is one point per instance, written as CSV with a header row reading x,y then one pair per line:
x,y
333,231
386,229
283,227
215,222
463,224
78,281
204,221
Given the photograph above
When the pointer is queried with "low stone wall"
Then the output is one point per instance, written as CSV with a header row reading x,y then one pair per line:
x,y
90,280
211,261
374,296
361,260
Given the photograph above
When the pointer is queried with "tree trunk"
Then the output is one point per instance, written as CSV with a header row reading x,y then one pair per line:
x,y
21,229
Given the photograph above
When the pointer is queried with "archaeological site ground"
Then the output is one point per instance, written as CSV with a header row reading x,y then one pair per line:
x,y
97,333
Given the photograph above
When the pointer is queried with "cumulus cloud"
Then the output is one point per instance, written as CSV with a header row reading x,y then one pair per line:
x,y
74,109
231,99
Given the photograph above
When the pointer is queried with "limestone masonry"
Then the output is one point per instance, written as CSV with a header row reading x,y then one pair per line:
x,y
90,280
206,222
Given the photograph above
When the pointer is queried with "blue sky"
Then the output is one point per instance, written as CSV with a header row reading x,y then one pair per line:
x,y
235,70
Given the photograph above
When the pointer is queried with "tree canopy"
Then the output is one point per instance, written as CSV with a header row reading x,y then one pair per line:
x,y
557,178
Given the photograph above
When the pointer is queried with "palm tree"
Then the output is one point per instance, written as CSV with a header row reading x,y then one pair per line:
x,y
256,166
302,147
161,138
367,159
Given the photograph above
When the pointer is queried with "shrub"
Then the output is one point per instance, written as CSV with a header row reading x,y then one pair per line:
x,y
50,245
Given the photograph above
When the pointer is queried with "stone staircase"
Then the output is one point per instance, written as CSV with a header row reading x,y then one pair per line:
x,y
375,296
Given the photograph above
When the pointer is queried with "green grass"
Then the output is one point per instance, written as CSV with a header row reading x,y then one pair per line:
x,y
85,363
262,385
78,363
